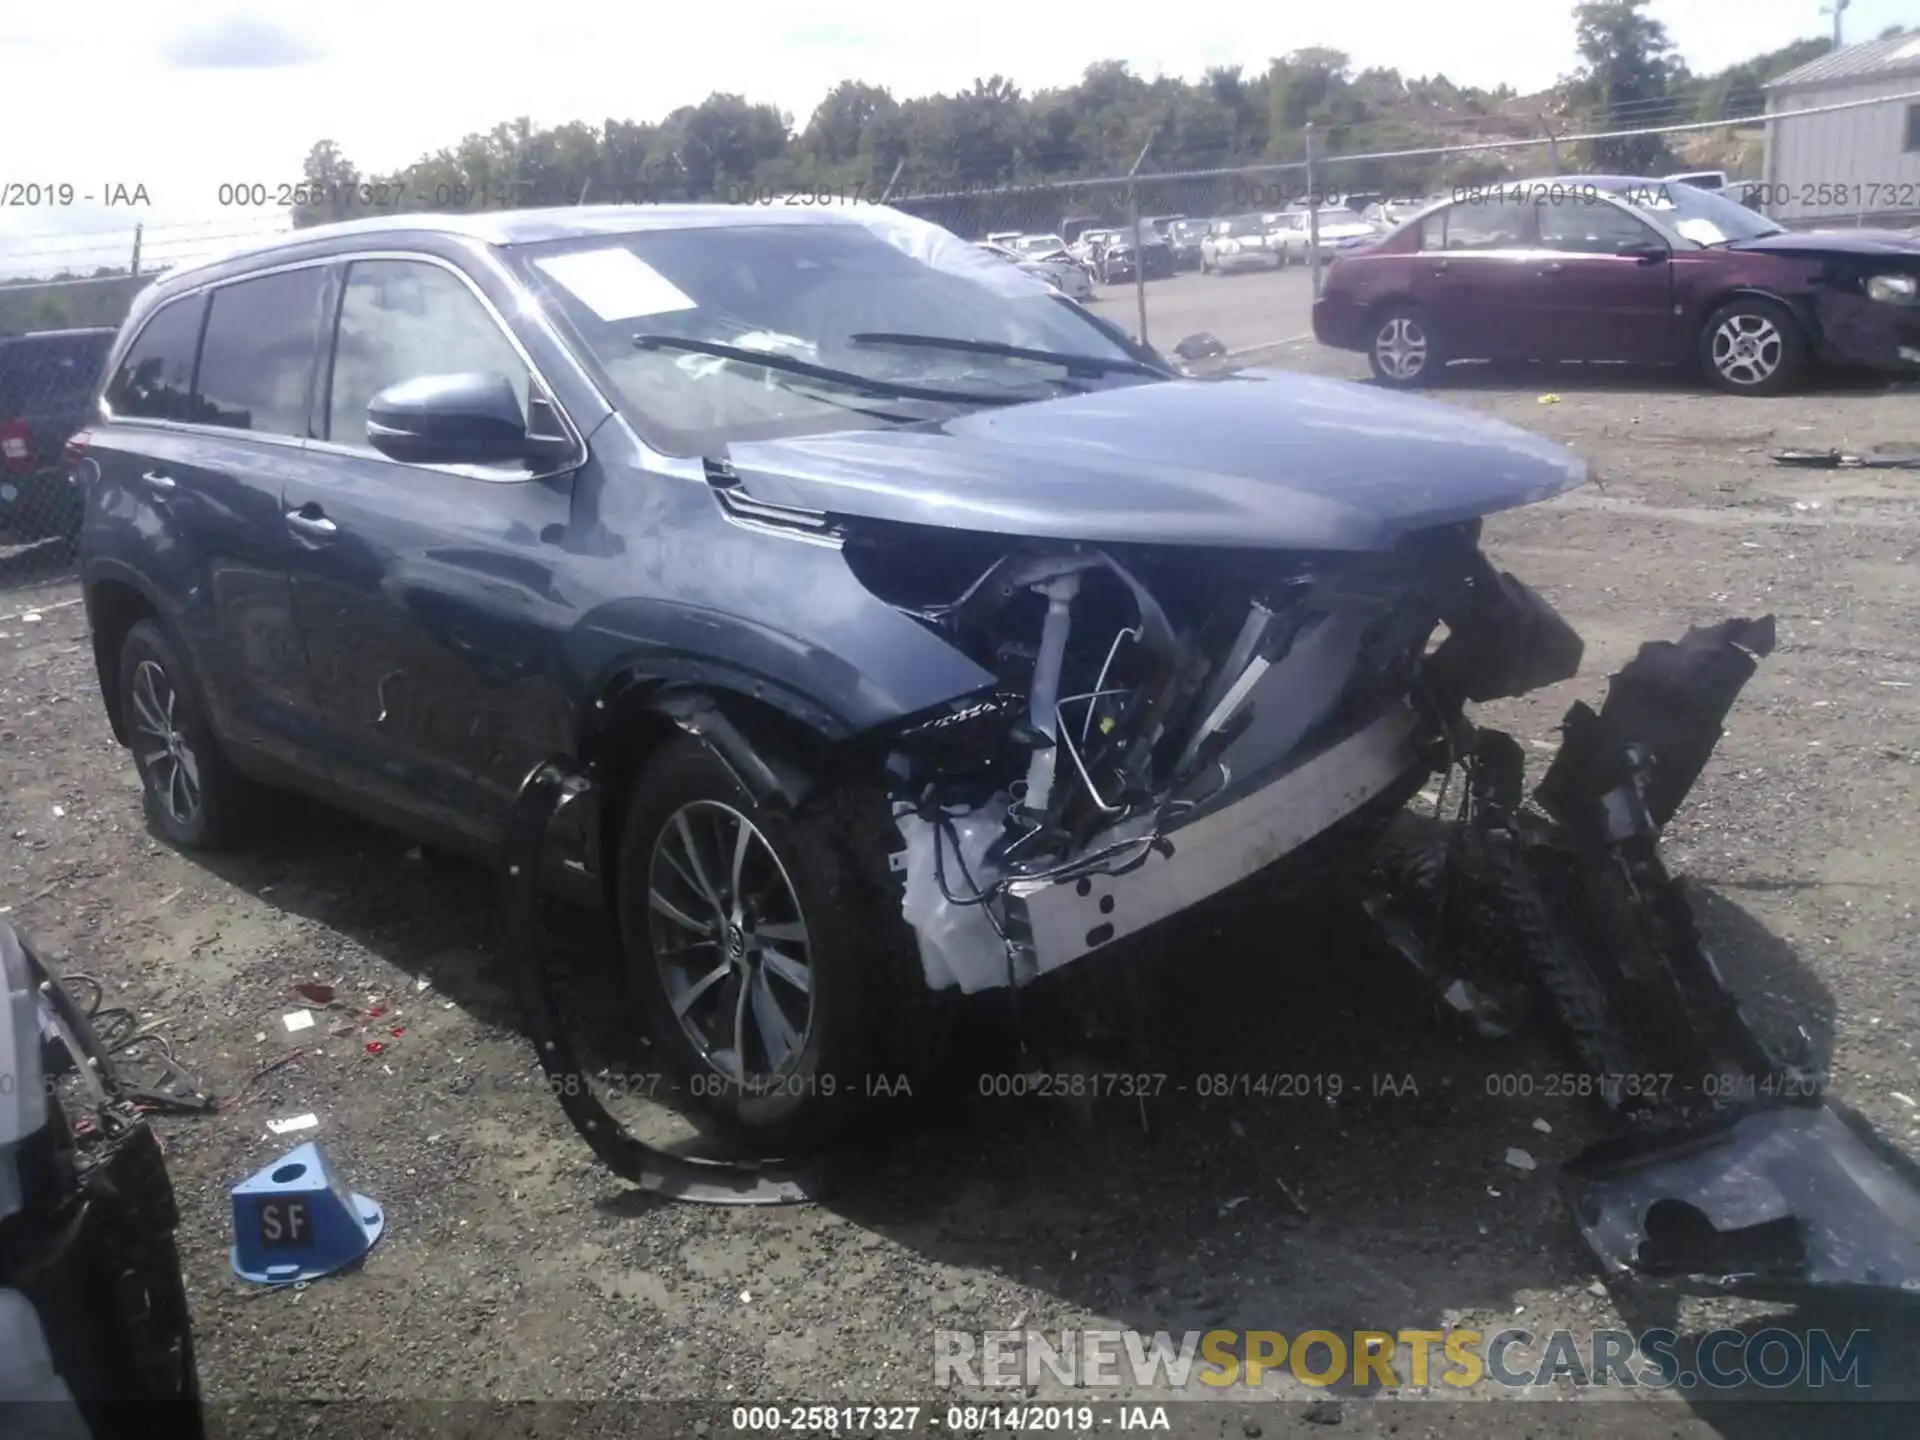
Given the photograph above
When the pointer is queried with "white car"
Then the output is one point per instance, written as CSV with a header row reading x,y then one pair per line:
x,y
1239,243
1337,228
1037,247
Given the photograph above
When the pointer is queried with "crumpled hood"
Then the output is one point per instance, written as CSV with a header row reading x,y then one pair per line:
x,y
1264,458
1836,242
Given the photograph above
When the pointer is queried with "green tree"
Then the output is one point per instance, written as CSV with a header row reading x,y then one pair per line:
x,y
1628,68
331,182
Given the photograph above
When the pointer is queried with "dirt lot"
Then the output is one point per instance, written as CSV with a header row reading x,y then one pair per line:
x,y
515,1268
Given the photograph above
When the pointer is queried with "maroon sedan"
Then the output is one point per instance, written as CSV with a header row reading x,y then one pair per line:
x,y
1612,268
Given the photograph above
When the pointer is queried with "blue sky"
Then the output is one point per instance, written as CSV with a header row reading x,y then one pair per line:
x,y
184,97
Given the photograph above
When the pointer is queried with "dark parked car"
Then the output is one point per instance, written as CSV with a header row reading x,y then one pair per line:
x,y
914,630
1184,237
1121,260
1612,268
47,382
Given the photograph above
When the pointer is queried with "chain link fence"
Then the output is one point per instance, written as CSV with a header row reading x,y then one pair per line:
x,y
1856,162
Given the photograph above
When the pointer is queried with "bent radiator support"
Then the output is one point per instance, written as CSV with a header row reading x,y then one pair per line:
x,y
545,792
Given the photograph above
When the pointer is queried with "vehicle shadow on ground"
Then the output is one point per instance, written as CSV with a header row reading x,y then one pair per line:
x,y
1548,377
1285,1138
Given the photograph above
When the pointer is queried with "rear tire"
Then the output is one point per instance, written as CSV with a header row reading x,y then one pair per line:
x,y
764,952
194,798
1404,351
1752,346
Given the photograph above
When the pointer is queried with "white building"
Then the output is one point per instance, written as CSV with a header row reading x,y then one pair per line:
x,y
1856,166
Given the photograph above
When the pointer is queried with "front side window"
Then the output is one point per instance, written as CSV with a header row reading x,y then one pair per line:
x,y
155,379
256,362
1587,226
821,291
404,319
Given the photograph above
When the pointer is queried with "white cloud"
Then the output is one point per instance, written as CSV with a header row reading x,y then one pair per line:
x,y
391,81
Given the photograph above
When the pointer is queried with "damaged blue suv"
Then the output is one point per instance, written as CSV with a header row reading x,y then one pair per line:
x,y
906,629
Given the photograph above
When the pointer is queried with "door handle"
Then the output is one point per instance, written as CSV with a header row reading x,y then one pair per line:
x,y
1438,267
154,480
1554,267
315,525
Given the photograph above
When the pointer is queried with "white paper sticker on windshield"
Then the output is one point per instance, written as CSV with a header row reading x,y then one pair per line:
x,y
1705,231
616,284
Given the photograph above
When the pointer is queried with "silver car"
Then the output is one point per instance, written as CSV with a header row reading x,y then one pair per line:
x,y
1064,275
1239,243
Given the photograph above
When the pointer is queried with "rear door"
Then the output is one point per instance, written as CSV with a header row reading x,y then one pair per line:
x,y
189,482
424,591
1474,276
1594,300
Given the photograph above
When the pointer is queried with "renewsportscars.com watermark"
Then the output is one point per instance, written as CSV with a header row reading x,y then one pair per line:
x,y
1458,1358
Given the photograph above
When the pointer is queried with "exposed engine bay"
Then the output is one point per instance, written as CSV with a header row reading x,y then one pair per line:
x,y
1171,721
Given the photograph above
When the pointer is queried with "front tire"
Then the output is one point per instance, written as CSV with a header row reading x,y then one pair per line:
x,y
1752,346
761,948
1404,350
194,799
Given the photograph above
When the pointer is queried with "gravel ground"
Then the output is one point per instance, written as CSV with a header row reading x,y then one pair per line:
x,y
515,1268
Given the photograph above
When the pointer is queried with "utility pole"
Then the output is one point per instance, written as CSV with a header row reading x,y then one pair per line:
x,y
1139,243
1836,9
133,270
1313,216
1553,145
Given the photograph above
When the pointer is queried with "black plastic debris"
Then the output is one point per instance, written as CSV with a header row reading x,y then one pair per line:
x,y
1839,460
1671,700
1770,1204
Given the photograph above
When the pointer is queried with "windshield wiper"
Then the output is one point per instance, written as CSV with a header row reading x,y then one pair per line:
x,y
1073,364
825,374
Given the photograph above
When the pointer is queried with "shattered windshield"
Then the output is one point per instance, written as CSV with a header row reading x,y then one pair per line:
x,y
805,286
1701,216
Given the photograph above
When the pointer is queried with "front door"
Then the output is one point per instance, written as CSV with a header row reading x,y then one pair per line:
x,y
424,593
1603,288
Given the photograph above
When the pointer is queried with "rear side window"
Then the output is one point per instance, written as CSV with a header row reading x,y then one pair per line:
x,y
400,320
1491,224
155,379
256,364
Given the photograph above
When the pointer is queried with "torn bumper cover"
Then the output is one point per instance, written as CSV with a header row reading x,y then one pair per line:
x,y
1778,1198
1771,1204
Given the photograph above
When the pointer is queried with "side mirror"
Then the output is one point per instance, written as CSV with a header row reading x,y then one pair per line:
x,y
470,419
1199,346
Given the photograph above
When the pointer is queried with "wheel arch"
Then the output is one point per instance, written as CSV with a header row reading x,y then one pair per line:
x,y
1801,309
776,745
1379,307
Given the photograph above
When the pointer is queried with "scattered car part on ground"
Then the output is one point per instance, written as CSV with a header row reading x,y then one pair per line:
x,y
1617,269
95,1338
1839,460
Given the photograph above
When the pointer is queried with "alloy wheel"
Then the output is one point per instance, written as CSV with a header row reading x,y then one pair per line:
x,y
1747,348
161,746
1401,347
730,942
